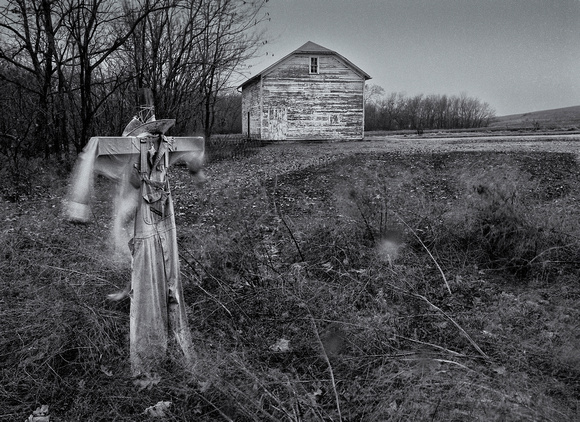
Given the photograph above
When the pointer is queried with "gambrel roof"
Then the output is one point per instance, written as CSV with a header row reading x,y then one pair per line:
x,y
308,48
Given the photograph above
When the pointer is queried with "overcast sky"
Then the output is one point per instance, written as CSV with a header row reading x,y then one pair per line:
x,y
517,55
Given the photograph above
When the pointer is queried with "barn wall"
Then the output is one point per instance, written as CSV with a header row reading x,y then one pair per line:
x,y
296,67
251,103
300,105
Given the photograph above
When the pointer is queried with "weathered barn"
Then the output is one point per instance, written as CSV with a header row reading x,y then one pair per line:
x,y
312,93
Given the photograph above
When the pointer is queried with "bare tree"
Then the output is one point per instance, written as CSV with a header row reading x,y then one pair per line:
x,y
97,31
67,47
230,38
162,53
228,113
27,52
373,93
187,54
16,137
395,111
77,60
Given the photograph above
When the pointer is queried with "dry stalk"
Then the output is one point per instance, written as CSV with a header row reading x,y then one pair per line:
x,y
550,250
452,362
223,415
215,299
330,371
258,382
435,346
438,309
82,273
367,224
428,251
467,336
293,239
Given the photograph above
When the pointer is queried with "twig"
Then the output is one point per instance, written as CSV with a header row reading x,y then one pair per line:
x,y
78,272
438,309
257,381
223,415
370,230
199,285
549,250
215,299
451,362
293,239
325,355
436,346
428,251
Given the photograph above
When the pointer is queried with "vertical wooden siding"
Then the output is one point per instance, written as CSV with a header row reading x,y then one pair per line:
x,y
297,105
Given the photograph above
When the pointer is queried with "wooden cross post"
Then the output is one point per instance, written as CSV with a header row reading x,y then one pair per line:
x,y
157,305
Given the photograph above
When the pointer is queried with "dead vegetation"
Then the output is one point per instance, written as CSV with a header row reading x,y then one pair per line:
x,y
321,286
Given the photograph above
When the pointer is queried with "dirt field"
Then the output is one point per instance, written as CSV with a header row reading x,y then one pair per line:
x,y
282,157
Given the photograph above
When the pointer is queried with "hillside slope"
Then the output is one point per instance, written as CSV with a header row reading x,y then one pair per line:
x,y
567,117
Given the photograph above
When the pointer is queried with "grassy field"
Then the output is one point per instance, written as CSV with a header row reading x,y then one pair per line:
x,y
567,117
376,281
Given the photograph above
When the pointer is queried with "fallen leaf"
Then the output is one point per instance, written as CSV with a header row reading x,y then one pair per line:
x,y
203,386
281,345
147,381
39,415
106,371
158,410
500,370
314,396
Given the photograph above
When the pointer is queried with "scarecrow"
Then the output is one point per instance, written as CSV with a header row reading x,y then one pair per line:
x,y
139,161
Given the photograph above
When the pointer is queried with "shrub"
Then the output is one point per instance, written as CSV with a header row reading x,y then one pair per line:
x,y
507,241
224,147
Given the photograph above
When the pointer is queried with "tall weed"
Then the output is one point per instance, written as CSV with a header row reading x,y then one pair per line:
x,y
504,230
316,297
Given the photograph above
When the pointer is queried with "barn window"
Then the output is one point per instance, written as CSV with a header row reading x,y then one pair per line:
x,y
314,65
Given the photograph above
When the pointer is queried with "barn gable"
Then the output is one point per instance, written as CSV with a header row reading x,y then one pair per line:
x,y
312,93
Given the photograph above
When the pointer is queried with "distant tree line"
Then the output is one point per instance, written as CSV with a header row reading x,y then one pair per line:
x,y
71,69
396,111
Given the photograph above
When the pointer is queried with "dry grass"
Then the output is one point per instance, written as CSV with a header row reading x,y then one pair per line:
x,y
320,294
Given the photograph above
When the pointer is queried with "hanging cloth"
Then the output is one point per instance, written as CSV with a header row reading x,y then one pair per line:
x,y
157,303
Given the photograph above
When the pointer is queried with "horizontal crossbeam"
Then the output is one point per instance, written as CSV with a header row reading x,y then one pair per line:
x,y
128,145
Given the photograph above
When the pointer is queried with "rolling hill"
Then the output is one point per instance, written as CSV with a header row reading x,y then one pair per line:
x,y
558,118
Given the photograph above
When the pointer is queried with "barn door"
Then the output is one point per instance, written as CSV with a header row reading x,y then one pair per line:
x,y
277,123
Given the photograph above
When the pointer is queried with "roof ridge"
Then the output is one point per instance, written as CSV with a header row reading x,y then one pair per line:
x,y
311,47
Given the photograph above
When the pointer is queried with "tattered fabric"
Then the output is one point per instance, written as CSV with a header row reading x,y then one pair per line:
x,y
157,305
